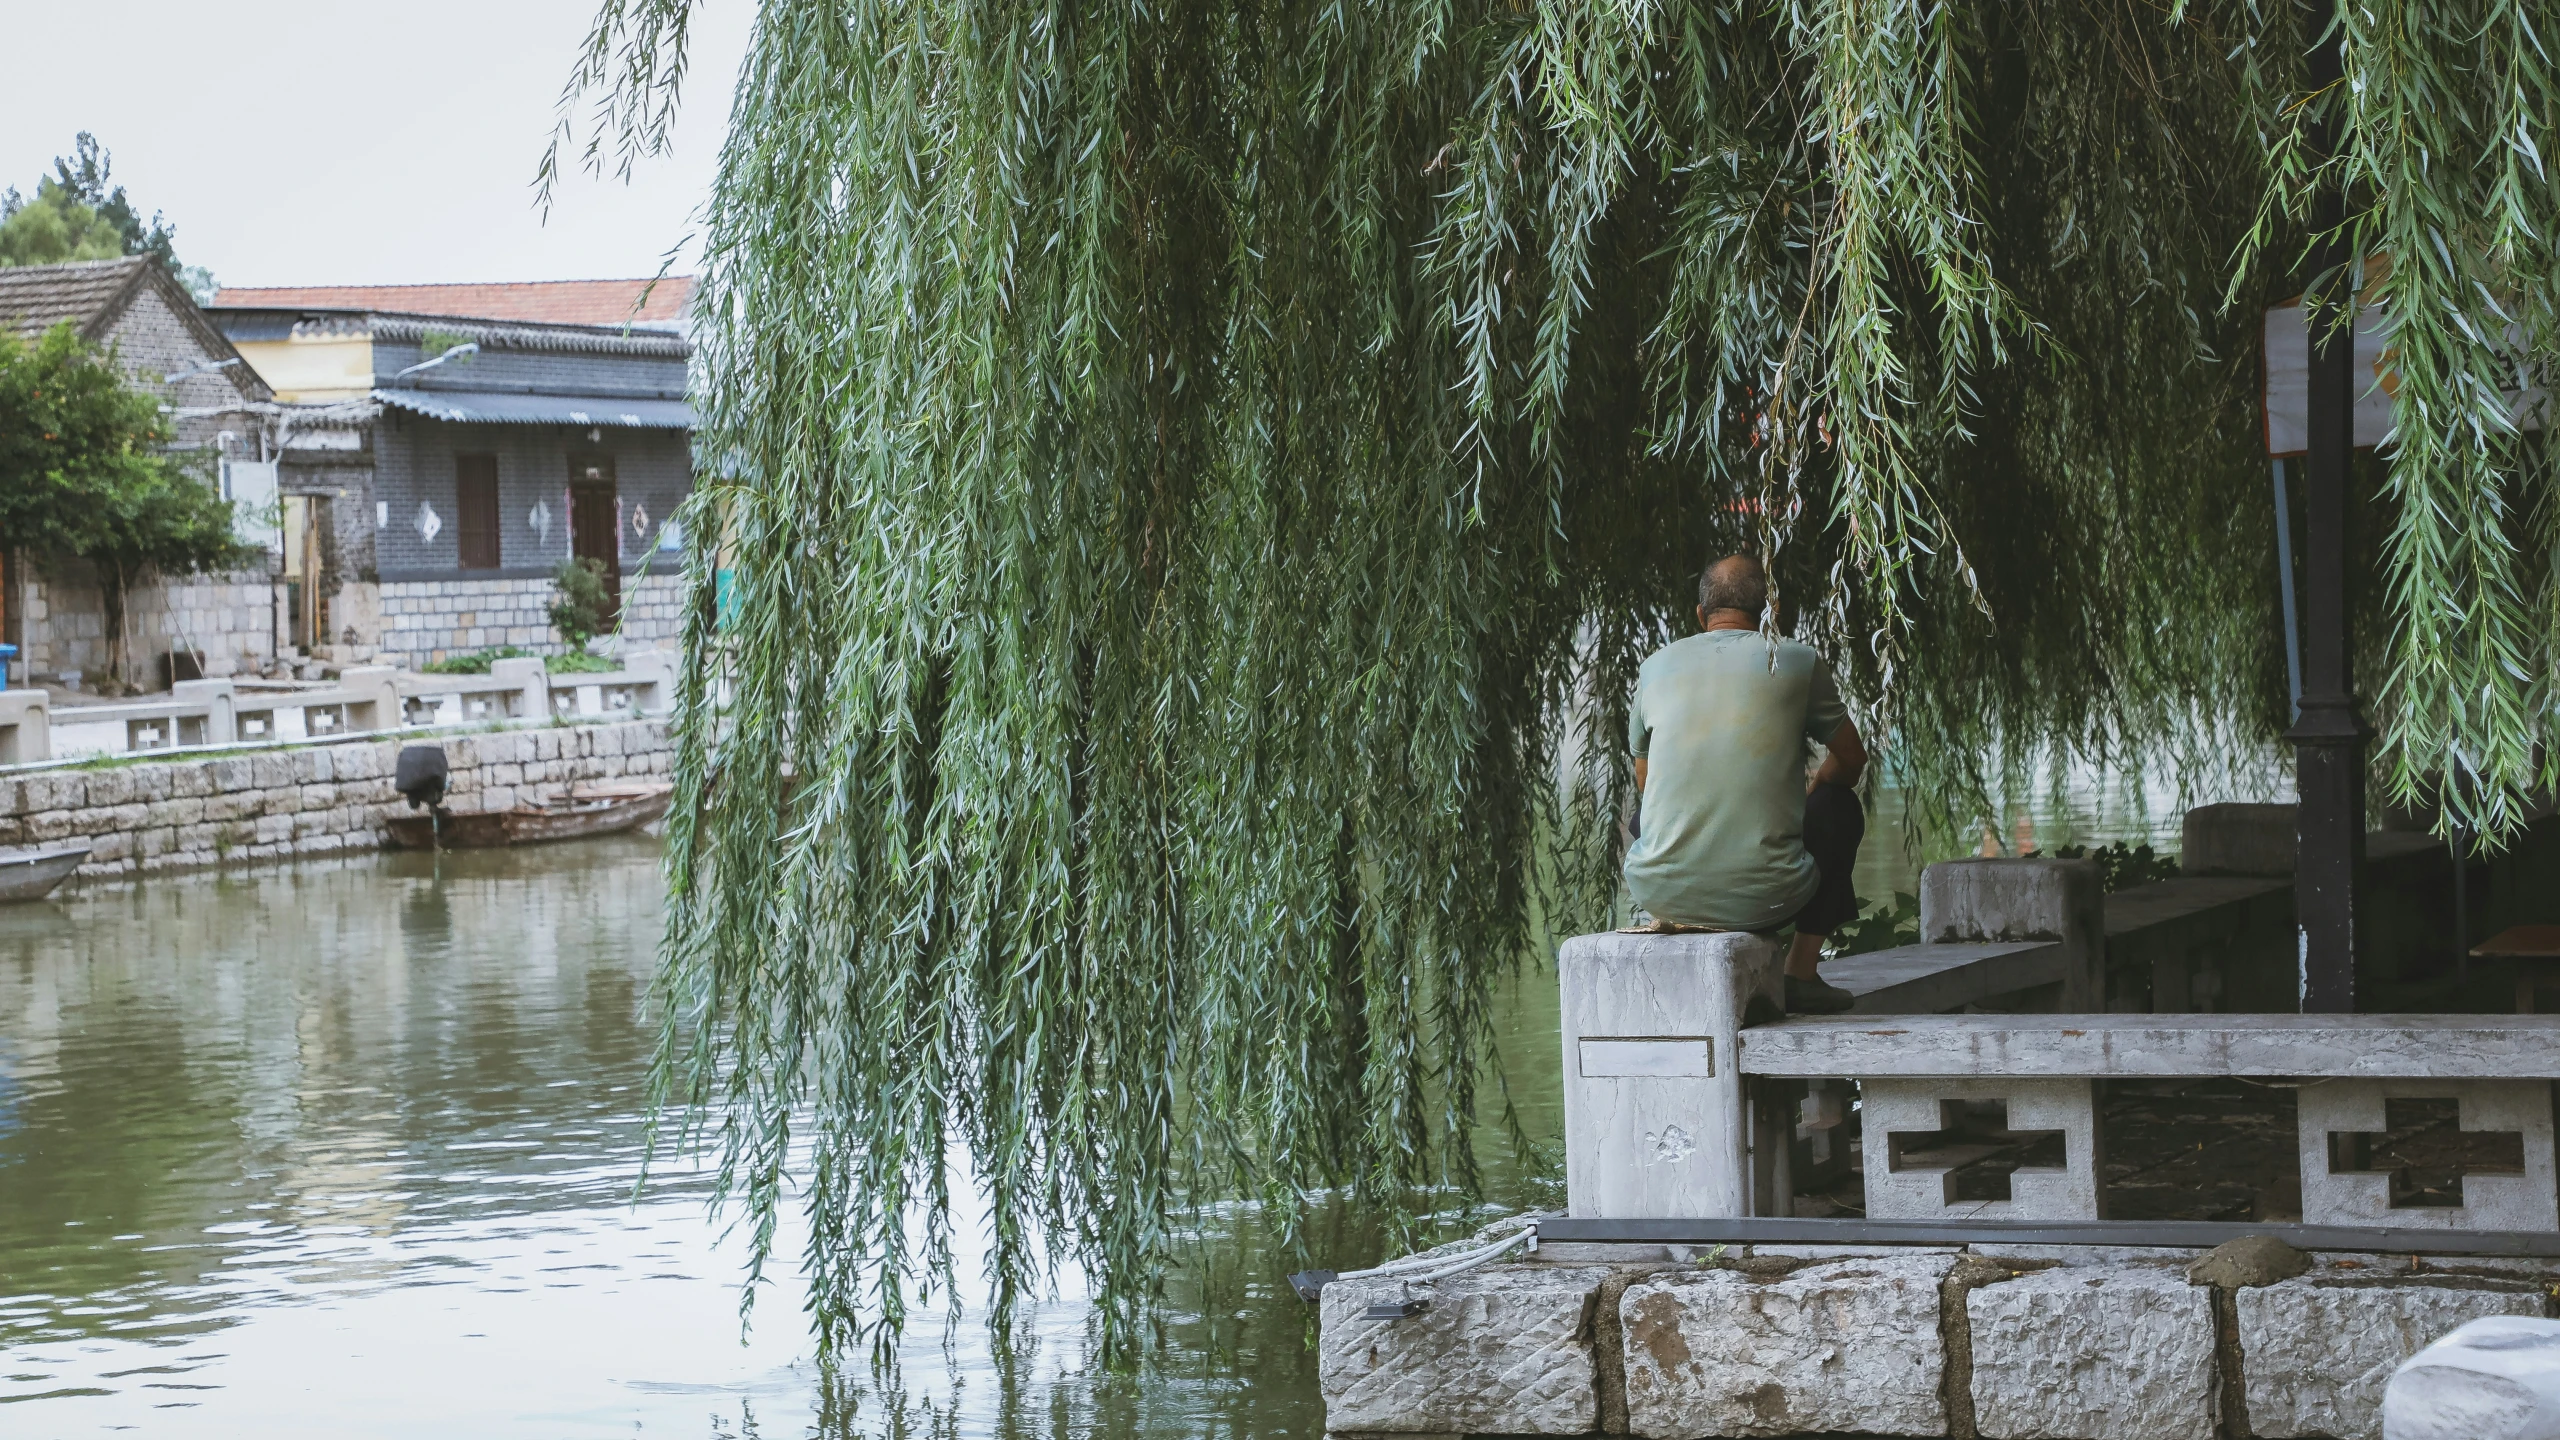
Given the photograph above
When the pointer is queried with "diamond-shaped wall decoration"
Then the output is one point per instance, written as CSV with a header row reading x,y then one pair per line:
x,y
429,523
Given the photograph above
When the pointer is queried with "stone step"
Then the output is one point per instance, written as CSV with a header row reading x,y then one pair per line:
x,y
1924,979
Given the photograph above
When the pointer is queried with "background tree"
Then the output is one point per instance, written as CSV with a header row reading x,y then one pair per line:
x,y
78,213
1201,478
53,228
85,473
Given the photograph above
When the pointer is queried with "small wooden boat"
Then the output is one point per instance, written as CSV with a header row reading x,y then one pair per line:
x,y
30,874
584,810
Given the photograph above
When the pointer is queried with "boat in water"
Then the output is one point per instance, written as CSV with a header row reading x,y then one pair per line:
x,y
575,814
31,874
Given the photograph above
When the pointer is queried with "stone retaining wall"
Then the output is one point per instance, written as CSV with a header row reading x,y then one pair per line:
x,y
60,622
310,800
2022,1343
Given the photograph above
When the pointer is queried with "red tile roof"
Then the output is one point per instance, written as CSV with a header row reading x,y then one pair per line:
x,y
568,302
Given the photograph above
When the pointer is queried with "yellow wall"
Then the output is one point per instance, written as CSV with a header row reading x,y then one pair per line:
x,y
314,370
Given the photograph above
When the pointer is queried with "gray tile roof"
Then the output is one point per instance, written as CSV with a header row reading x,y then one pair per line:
x,y
89,293
94,294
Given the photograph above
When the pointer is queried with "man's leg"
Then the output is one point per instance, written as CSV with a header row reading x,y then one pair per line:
x,y
1834,824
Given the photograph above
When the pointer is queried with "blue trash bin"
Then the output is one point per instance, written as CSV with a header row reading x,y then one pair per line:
x,y
7,654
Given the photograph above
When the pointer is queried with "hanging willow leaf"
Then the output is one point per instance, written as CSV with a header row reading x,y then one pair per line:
x,y
1196,482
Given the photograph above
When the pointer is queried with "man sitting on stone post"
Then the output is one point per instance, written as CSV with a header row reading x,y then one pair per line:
x,y
1732,836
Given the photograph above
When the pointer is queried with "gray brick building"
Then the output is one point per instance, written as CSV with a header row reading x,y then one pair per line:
x,y
218,404
443,467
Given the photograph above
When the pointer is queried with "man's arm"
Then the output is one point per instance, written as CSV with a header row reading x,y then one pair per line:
x,y
1846,762
1640,771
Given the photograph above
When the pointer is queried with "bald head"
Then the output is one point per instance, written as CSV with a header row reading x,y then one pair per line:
x,y
1735,582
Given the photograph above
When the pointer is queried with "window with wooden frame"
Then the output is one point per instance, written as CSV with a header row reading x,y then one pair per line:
x,y
475,510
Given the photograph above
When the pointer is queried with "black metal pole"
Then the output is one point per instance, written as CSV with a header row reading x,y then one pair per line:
x,y
2461,846
2284,592
2328,736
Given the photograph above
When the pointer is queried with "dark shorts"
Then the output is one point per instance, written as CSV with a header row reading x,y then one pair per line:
x,y
1834,824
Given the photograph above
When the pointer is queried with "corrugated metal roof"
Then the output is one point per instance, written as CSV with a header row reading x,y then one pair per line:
x,y
476,407
572,302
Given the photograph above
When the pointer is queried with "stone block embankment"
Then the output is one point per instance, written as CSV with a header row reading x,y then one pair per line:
x,y
1982,1343
209,811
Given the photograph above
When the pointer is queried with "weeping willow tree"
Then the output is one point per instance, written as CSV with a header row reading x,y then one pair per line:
x,y
1198,480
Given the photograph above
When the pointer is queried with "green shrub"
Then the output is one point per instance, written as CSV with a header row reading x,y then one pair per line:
x,y
579,662
585,606
2121,867
477,662
1890,926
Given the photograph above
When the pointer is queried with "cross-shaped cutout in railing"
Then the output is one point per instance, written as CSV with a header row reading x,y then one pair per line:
x,y
2426,1152
1976,1148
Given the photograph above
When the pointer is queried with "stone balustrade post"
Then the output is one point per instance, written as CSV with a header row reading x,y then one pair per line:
x,y
373,697
221,722
1657,1122
653,673
531,682
2234,839
26,732
1996,900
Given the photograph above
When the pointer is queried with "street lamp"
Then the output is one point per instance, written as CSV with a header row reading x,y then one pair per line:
x,y
205,368
471,347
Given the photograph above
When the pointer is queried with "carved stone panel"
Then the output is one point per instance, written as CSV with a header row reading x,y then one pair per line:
x,y
2444,1154
2031,1144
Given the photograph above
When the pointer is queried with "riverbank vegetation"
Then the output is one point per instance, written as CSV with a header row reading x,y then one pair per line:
x,y
1201,478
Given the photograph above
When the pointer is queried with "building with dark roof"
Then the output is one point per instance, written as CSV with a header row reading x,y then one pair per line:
x,y
49,606
446,464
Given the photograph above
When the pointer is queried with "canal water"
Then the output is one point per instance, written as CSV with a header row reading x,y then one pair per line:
x,y
349,1148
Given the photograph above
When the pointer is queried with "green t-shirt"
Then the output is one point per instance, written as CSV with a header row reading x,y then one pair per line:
x,y
1724,735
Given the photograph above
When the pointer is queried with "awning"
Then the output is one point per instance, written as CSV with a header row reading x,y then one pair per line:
x,y
478,407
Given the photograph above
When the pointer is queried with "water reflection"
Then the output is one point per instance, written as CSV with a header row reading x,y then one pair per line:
x,y
350,1149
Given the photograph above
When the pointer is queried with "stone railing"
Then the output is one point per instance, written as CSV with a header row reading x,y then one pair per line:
x,y
644,686
203,713
1915,1075
512,690
1687,1096
363,699
210,714
1659,1120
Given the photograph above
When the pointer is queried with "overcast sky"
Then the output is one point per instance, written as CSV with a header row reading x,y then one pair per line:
x,y
335,142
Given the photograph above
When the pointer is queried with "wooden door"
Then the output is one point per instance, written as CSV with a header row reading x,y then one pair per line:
x,y
306,599
595,522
